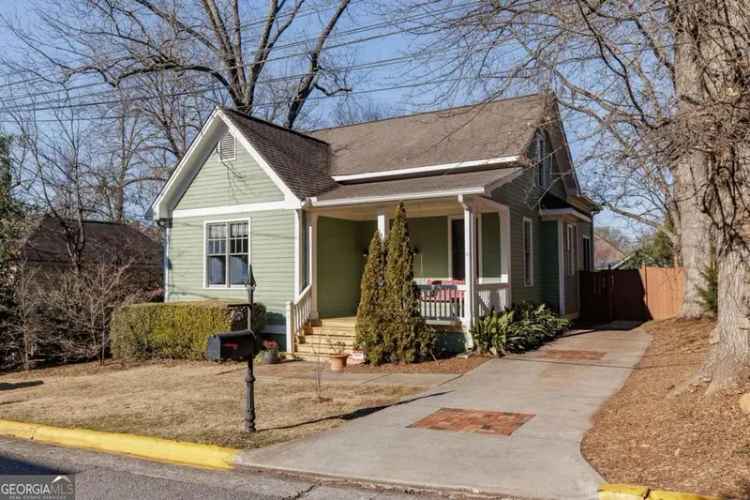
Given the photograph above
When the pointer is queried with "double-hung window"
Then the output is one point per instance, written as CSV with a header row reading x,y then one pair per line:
x,y
227,245
528,252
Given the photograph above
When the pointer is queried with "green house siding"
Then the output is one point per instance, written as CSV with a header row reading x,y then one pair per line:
x,y
221,183
550,278
521,197
271,255
340,264
429,237
572,283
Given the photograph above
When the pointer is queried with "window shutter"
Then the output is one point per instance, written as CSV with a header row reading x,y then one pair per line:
x,y
227,147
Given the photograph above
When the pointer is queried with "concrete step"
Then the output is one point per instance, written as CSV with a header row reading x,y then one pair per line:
x,y
322,350
348,322
332,331
326,340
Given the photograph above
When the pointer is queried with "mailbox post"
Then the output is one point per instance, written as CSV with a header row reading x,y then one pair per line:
x,y
249,376
240,346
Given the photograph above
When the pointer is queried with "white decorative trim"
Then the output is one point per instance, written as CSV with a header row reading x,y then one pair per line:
x,y
271,173
383,225
461,165
561,265
156,207
395,197
557,212
167,243
233,209
532,253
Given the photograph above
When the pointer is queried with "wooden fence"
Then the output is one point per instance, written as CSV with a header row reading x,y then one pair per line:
x,y
640,295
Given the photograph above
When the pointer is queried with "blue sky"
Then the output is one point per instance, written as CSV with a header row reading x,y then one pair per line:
x,y
402,100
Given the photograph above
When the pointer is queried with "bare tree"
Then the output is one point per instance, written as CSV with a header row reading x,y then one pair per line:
x,y
120,41
666,86
612,66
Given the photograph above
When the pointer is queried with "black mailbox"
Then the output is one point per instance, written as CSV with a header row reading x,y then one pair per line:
x,y
236,346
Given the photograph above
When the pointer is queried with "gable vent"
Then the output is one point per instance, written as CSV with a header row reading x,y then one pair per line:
x,y
227,147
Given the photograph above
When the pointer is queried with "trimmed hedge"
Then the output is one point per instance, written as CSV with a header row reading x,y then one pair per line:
x,y
175,330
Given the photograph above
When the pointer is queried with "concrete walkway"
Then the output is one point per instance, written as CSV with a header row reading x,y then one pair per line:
x,y
561,385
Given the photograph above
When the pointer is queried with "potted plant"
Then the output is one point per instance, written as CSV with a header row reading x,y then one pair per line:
x,y
337,356
270,352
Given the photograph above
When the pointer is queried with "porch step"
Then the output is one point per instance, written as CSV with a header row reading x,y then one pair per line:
x,y
318,349
326,340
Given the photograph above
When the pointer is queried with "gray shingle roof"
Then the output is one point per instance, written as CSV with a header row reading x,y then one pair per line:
x,y
433,183
300,161
491,130
307,162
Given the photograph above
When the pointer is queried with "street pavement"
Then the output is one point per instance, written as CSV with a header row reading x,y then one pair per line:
x,y
111,477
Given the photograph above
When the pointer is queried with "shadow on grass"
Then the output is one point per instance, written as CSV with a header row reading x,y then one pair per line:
x,y
362,412
19,385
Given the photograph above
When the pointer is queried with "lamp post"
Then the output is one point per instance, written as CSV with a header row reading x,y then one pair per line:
x,y
249,376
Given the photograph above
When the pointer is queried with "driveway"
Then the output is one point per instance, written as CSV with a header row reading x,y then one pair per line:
x,y
546,398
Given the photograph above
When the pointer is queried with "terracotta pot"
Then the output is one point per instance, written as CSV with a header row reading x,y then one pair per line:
x,y
338,362
270,357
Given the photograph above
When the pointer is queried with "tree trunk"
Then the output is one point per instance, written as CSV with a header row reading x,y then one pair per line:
x,y
695,244
728,362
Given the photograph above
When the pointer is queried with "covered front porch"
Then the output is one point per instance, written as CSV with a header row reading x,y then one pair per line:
x,y
461,266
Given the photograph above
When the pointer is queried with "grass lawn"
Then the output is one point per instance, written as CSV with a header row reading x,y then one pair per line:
x,y
190,401
689,442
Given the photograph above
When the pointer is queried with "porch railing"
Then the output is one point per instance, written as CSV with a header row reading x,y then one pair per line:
x,y
297,314
441,302
492,296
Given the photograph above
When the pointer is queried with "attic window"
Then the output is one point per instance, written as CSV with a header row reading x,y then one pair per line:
x,y
227,147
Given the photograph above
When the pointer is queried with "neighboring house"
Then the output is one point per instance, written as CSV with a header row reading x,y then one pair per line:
x,y
495,210
606,254
46,249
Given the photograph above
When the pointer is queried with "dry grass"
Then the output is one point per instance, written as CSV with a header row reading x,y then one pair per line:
x,y
192,401
689,442
456,364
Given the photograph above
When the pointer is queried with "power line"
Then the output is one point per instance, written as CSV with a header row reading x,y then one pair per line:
x,y
15,104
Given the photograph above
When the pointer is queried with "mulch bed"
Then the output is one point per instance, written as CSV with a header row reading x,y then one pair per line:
x,y
690,442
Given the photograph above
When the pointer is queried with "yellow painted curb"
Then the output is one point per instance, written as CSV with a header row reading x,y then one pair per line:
x,y
162,450
676,495
622,492
637,492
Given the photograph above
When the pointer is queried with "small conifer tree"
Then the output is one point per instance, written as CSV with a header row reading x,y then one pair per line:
x,y
709,292
369,311
405,334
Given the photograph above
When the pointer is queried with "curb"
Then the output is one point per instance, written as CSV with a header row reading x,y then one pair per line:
x,y
158,449
636,492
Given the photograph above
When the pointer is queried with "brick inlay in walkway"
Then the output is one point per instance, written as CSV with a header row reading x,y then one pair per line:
x,y
485,422
565,355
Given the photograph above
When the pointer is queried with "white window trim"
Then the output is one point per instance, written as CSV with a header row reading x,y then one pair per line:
x,y
227,286
529,283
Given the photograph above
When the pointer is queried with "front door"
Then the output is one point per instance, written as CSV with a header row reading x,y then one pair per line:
x,y
457,249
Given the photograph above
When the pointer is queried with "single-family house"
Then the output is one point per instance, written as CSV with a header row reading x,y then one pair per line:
x,y
496,214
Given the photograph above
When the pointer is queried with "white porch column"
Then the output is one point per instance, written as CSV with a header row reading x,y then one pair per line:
x,y
312,262
299,249
470,267
383,225
505,251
